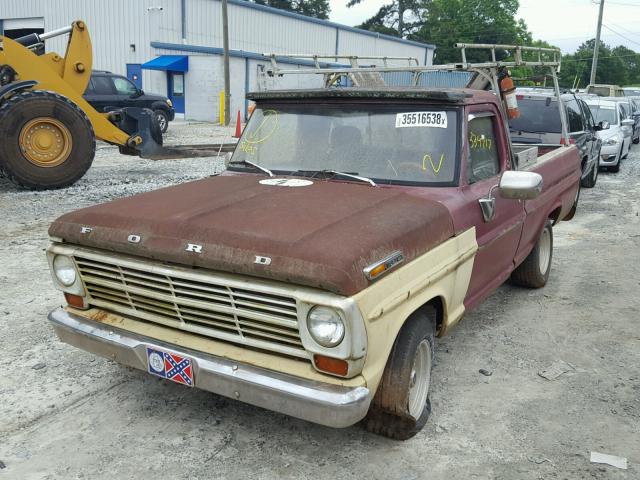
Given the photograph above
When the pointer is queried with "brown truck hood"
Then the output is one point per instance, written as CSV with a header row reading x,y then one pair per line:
x,y
321,235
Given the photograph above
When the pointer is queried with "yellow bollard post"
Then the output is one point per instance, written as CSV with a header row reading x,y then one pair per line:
x,y
221,112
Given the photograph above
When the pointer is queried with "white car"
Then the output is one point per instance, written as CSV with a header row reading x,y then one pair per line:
x,y
616,130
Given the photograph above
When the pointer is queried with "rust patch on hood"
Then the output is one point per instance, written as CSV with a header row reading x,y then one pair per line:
x,y
321,235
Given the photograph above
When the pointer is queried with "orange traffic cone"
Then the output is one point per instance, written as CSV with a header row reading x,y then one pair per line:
x,y
238,126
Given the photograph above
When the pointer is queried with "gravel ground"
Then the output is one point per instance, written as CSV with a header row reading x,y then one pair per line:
x,y
68,414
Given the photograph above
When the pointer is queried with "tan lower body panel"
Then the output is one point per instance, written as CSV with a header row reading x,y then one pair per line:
x,y
443,272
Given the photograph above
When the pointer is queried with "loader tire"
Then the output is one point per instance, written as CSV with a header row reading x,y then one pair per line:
x,y
47,140
401,406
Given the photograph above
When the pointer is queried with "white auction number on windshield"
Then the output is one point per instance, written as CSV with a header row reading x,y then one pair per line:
x,y
421,119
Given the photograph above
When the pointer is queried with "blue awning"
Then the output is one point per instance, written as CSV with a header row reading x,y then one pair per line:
x,y
171,63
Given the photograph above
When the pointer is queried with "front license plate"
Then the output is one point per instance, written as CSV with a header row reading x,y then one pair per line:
x,y
170,365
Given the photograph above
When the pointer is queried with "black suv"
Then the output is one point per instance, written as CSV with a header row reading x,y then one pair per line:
x,y
539,123
107,91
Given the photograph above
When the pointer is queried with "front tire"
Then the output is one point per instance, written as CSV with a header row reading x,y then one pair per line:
x,y
590,180
162,120
47,140
534,271
401,406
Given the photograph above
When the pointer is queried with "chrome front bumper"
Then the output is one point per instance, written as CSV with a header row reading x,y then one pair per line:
x,y
323,403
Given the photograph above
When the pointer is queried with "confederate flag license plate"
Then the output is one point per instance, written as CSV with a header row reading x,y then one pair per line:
x,y
170,365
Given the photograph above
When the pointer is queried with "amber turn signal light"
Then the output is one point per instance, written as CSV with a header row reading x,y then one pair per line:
x,y
74,300
331,365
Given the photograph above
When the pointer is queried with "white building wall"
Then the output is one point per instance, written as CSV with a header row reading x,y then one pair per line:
x,y
351,43
116,25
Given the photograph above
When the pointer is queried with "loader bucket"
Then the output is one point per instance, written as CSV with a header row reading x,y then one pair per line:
x,y
143,129
141,125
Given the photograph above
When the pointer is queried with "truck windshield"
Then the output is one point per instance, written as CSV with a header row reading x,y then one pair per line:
x,y
604,114
600,91
410,145
537,116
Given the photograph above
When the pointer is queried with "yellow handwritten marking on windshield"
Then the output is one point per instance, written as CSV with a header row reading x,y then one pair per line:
x,y
247,148
479,142
267,126
436,169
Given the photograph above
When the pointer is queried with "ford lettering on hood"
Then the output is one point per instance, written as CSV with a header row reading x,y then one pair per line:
x,y
310,232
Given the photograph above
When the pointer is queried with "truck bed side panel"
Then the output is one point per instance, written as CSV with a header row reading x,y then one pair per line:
x,y
560,170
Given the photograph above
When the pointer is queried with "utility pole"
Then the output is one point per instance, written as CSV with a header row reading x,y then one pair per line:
x,y
227,77
594,64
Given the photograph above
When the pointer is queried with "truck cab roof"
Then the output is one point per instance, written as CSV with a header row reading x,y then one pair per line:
x,y
449,95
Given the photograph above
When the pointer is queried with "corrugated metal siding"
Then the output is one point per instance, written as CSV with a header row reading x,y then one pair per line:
x,y
352,43
260,32
116,24
436,79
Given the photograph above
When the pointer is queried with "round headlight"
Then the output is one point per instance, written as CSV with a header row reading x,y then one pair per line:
x,y
325,326
64,270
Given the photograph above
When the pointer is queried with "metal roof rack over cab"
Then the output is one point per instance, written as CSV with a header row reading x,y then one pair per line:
x,y
485,75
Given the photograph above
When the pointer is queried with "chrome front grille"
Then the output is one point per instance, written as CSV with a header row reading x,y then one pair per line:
x,y
192,302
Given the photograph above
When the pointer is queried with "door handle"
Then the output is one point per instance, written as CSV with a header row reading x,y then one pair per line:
x,y
488,207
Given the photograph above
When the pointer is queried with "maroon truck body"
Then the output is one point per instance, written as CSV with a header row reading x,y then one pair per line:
x,y
312,290
324,235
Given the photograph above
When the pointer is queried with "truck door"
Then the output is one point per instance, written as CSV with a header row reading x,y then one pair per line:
x,y
487,156
127,92
590,126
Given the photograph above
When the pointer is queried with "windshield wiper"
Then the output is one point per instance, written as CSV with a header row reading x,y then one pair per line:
x,y
254,165
341,174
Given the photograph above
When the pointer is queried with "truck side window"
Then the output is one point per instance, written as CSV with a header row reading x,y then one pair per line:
x,y
574,117
483,161
90,88
103,86
124,86
587,115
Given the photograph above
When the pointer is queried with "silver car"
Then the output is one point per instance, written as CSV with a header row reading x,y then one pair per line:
x,y
616,131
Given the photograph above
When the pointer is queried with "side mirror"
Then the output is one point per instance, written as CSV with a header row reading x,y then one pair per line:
x,y
514,185
602,126
628,122
517,185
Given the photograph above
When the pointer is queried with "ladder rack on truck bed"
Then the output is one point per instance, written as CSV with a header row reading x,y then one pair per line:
x,y
485,74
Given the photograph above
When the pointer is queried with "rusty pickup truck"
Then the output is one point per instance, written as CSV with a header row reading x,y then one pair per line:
x,y
352,227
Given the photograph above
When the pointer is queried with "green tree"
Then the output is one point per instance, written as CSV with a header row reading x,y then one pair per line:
x,y
447,22
576,68
631,61
310,8
398,17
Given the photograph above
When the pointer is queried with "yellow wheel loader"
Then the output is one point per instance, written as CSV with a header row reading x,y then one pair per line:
x,y
47,130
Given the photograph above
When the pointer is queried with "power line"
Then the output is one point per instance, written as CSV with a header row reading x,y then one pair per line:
x,y
625,4
621,35
608,56
625,29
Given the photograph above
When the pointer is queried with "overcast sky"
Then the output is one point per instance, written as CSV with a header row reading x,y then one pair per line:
x,y
565,23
